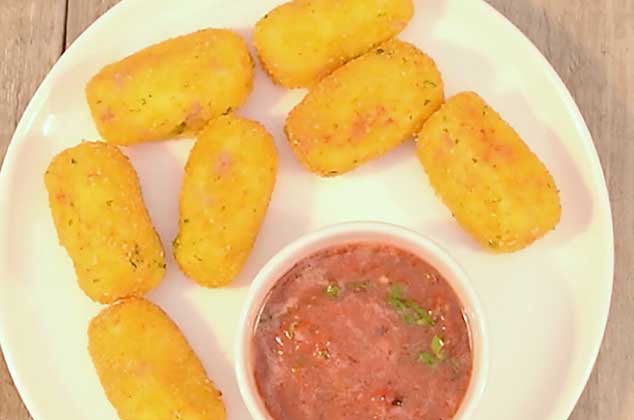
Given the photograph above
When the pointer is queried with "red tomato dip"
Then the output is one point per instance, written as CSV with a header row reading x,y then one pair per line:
x,y
362,331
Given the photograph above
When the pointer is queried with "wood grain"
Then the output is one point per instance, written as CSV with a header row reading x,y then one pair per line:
x,y
81,13
590,44
32,39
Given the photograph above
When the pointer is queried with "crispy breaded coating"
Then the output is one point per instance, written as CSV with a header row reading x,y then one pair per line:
x,y
365,108
302,41
146,366
226,190
171,89
495,186
101,220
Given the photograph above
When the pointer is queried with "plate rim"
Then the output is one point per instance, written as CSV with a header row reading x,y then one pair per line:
x,y
567,402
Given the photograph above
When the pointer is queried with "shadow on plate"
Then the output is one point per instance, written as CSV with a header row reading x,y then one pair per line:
x,y
198,332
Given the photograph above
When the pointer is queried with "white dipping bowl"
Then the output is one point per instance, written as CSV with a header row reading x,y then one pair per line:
x,y
348,233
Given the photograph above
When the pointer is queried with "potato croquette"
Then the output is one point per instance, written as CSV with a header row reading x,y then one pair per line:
x,y
101,220
302,41
147,368
228,182
171,89
495,186
365,108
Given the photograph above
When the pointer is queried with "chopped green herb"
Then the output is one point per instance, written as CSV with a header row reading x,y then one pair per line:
x,y
427,358
436,347
395,298
427,101
396,291
332,290
70,222
186,221
429,83
228,110
109,203
410,311
73,161
380,51
133,263
427,320
143,101
410,318
424,318
198,258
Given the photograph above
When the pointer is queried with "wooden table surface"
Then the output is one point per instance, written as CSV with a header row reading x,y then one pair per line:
x,y
589,42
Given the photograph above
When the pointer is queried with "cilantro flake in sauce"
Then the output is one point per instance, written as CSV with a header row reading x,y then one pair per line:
x,y
427,358
436,355
332,290
410,311
437,347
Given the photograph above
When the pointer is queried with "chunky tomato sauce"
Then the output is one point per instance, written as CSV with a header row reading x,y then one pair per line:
x,y
362,331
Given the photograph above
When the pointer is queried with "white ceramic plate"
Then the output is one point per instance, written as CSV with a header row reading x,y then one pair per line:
x,y
546,306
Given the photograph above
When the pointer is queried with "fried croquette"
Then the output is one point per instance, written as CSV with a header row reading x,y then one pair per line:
x,y
365,108
146,366
302,41
495,186
171,89
101,220
228,182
